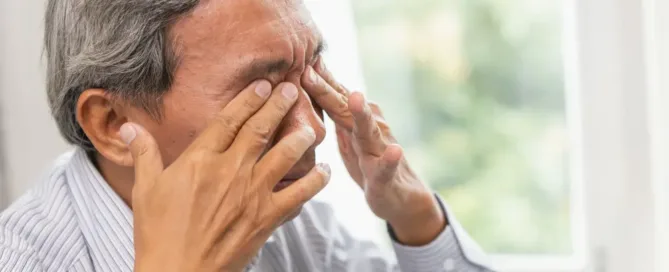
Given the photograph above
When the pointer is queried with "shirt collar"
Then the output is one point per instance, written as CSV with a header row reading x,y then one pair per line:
x,y
105,220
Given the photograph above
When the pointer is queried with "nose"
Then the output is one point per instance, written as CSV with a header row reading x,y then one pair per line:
x,y
303,114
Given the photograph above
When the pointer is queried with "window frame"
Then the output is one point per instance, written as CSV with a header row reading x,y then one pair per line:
x,y
621,51
657,58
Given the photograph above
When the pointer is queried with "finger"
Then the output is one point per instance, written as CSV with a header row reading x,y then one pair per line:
x,y
303,190
255,134
283,156
227,123
376,110
145,153
365,129
343,140
329,78
332,101
389,163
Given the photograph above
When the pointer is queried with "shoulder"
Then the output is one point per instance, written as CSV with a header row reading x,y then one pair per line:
x,y
39,231
316,223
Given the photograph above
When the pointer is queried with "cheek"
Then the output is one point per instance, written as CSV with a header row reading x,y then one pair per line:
x,y
183,120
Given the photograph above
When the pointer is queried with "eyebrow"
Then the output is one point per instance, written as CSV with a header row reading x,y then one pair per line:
x,y
263,68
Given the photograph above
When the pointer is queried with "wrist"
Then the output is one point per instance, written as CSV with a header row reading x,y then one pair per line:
x,y
421,226
168,264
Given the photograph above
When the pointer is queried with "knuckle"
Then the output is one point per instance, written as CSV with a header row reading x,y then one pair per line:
x,y
143,149
199,157
261,130
249,104
226,121
376,133
291,152
317,82
283,106
342,109
259,219
341,88
385,129
376,109
322,90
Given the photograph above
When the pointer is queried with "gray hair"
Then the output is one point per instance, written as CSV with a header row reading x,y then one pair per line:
x,y
121,46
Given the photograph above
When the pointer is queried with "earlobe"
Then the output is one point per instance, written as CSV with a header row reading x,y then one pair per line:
x,y
101,118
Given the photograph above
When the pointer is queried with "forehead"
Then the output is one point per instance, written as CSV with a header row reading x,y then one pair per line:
x,y
223,35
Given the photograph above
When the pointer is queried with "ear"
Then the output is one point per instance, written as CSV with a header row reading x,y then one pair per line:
x,y
101,118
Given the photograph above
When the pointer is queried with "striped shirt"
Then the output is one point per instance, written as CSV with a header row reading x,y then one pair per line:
x,y
73,221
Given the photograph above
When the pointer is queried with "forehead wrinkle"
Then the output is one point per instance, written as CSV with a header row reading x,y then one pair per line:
x,y
282,23
267,43
264,66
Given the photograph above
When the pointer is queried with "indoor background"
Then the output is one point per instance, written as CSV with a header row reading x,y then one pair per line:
x,y
543,123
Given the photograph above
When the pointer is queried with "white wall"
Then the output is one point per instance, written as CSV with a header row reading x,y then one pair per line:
x,y
31,139
658,61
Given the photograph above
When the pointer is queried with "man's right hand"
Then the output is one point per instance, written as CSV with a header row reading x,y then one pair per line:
x,y
214,207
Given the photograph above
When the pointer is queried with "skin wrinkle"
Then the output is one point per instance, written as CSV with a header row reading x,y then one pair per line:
x,y
209,61
134,150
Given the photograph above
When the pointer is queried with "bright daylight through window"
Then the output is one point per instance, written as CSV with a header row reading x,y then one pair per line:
x,y
475,93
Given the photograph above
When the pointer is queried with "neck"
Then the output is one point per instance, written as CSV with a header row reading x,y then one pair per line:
x,y
120,178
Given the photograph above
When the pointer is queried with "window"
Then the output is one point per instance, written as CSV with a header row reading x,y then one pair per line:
x,y
474,90
475,93
531,118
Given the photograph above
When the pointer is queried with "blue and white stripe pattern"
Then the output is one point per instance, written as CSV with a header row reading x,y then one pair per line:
x,y
73,221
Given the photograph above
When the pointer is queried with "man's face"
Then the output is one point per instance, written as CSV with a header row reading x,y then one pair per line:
x,y
226,45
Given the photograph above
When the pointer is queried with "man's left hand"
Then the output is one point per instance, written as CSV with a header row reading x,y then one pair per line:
x,y
376,162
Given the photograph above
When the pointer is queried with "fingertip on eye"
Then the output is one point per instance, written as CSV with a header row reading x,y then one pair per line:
x,y
263,88
289,91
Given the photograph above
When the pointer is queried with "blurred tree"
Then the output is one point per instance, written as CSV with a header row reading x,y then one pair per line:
x,y
474,91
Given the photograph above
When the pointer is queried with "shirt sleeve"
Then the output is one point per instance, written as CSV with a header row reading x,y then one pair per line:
x,y
452,250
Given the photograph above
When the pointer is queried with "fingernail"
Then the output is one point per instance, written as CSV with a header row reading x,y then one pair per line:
x,y
128,133
312,75
325,168
289,91
263,89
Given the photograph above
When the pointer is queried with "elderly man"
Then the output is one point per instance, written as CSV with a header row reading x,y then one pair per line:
x,y
195,124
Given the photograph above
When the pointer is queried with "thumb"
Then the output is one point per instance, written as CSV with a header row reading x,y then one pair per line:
x,y
145,154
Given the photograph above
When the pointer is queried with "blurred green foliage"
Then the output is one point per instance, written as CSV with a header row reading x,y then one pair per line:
x,y
474,91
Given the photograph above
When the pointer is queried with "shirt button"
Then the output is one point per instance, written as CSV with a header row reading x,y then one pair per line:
x,y
449,265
